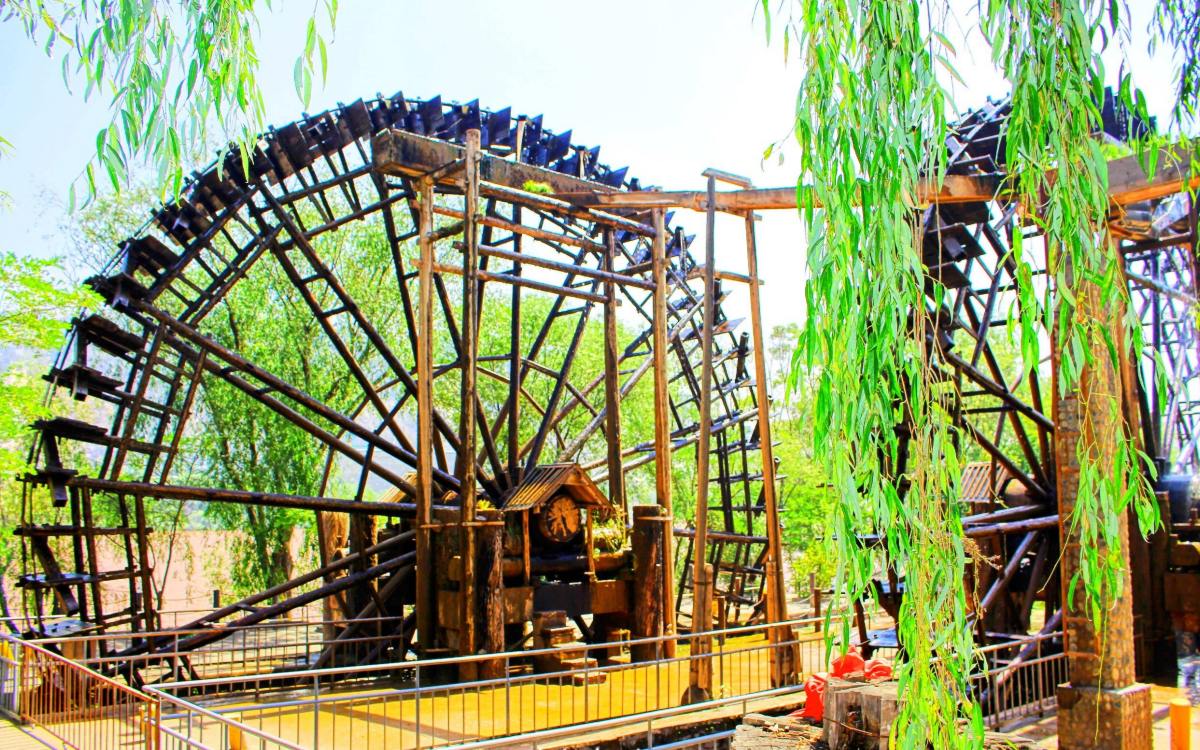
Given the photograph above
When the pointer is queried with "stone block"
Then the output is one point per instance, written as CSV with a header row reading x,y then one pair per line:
x,y
1093,718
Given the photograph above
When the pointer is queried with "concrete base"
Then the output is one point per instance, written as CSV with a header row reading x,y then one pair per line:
x,y
1089,717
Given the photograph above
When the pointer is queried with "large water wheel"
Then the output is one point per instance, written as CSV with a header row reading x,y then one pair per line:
x,y
542,321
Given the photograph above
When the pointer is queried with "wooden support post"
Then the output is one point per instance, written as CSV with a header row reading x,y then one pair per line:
x,y
814,596
1102,705
784,660
85,496
491,610
426,603
466,423
514,363
700,666
612,382
662,420
700,677
650,526
143,542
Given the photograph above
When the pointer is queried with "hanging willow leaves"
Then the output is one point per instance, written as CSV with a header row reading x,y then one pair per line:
x,y
870,122
869,106
174,72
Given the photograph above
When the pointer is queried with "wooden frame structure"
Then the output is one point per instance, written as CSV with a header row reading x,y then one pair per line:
x,y
484,211
459,195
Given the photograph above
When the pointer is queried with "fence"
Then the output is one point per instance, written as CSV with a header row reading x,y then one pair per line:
x,y
185,726
72,704
253,649
536,697
1021,680
655,729
410,704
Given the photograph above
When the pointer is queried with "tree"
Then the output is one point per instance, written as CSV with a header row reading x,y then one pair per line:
x,y
33,315
174,72
871,123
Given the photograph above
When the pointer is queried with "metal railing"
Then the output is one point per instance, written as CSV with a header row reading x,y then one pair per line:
x,y
72,704
253,649
1021,680
533,698
653,729
410,704
185,726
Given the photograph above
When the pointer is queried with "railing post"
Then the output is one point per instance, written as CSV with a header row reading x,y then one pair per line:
x,y
418,694
22,679
316,711
156,710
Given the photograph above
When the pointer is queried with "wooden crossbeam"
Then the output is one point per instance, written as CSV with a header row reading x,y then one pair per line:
x,y
396,152
1127,183
244,497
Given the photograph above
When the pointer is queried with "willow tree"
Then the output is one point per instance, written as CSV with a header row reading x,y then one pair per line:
x,y
175,74
871,123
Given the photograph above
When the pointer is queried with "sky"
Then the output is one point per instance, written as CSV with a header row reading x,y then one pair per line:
x,y
668,87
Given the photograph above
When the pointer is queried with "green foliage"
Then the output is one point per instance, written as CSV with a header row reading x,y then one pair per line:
x,y
871,121
806,502
1049,52
172,71
540,188
33,315
34,310
870,104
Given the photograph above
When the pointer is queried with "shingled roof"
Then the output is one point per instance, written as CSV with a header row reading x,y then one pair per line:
x,y
544,482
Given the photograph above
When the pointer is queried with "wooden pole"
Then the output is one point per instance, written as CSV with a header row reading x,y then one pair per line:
x,y
514,363
469,355
784,662
701,571
426,604
612,382
491,600
650,523
662,421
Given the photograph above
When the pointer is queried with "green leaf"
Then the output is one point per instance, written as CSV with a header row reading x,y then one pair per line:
x,y
298,79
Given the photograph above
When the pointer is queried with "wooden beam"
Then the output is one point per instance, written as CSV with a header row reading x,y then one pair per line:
x,y
466,469
243,497
700,674
426,602
956,189
1127,183
783,664
402,153
612,384
396,152
662,417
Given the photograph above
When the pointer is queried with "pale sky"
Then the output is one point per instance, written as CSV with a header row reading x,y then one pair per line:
x,y
668,87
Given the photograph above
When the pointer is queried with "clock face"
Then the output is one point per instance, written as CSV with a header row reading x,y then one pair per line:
x,y
560,519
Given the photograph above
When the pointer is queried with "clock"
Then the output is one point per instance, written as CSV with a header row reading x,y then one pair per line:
x,y
560,519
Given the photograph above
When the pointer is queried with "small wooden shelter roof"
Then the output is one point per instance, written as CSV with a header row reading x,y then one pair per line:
x,y
546,481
